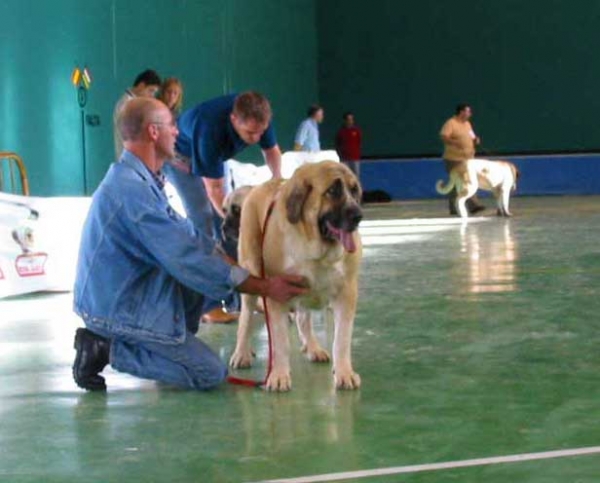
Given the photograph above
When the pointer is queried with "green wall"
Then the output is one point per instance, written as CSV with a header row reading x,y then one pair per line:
x,y
214,46
531,70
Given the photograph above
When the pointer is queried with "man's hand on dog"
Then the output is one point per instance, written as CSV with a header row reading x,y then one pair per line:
x,y
285,287
281,288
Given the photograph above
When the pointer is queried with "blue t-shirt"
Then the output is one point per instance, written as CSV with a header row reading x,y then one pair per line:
x,y
208,138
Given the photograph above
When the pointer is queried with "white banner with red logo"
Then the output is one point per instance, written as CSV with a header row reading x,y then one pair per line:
x,y
39,242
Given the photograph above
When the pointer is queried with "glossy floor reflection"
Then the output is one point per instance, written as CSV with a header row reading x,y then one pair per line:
x,y
472,341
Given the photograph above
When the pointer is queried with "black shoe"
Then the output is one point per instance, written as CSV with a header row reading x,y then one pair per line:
x,y
92,357
476,209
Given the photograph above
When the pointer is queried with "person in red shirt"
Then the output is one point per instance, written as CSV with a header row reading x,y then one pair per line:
x,y
348,142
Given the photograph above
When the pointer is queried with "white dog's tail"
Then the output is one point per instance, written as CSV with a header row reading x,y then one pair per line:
x,y
445,189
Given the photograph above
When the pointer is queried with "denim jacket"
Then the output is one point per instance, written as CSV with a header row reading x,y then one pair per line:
x,y
137,256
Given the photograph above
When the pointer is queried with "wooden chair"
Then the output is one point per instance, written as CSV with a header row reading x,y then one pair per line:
x,y
8,181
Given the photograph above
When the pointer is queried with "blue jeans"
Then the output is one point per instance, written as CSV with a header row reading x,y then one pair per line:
x,y
205,219
193,196
190,365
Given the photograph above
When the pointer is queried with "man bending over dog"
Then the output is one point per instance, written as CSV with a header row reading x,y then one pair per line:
x,y
143,271
459,145
210,134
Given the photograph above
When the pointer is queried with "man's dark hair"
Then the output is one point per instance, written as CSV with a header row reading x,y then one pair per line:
x,y
461,107
148,77
346,114
251,105
312,110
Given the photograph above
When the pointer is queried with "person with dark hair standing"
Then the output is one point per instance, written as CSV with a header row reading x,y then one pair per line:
x,y
307,135
209,135
146,84
348,143
143,271
460,142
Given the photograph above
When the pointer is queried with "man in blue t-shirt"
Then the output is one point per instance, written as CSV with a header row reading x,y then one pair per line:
x,y
216,130
210,134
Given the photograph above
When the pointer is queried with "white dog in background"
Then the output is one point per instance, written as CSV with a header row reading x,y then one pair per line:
x,y
499,177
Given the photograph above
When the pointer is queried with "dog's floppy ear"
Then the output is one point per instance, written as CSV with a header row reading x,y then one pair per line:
x,y
296,199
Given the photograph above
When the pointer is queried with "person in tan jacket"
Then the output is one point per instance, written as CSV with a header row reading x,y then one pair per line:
x,y
460,142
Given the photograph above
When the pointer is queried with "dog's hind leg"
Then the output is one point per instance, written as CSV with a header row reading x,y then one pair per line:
x,y
461,181
243,354
461,207
310,345
461,200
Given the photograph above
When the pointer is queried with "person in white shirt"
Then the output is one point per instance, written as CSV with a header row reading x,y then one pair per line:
x,y
307,135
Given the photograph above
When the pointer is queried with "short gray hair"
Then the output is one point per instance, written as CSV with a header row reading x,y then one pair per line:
x,y
133,115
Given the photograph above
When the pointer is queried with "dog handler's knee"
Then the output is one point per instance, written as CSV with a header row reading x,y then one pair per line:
x,y
210,376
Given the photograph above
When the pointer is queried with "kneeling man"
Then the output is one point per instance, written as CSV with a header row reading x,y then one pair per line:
x,y
143,271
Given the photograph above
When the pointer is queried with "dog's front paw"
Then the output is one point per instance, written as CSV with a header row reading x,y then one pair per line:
x,y
241,358
346,379
279,380
315,353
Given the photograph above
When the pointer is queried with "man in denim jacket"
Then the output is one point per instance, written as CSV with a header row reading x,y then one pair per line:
x,y
143,270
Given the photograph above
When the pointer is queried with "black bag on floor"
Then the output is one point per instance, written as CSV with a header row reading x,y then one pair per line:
x,y
376,196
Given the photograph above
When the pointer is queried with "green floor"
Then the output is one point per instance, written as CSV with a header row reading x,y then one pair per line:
x,y
472,342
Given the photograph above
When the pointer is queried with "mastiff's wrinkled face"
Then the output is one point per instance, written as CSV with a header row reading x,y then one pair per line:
x,y
232,208
325,198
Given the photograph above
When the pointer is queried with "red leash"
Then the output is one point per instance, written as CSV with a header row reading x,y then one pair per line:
x,y
251,382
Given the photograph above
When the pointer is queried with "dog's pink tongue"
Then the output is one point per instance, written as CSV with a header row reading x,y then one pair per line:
x,y
346,238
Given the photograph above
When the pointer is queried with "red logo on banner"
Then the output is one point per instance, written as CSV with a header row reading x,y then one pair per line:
x,y
1,274
31,264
